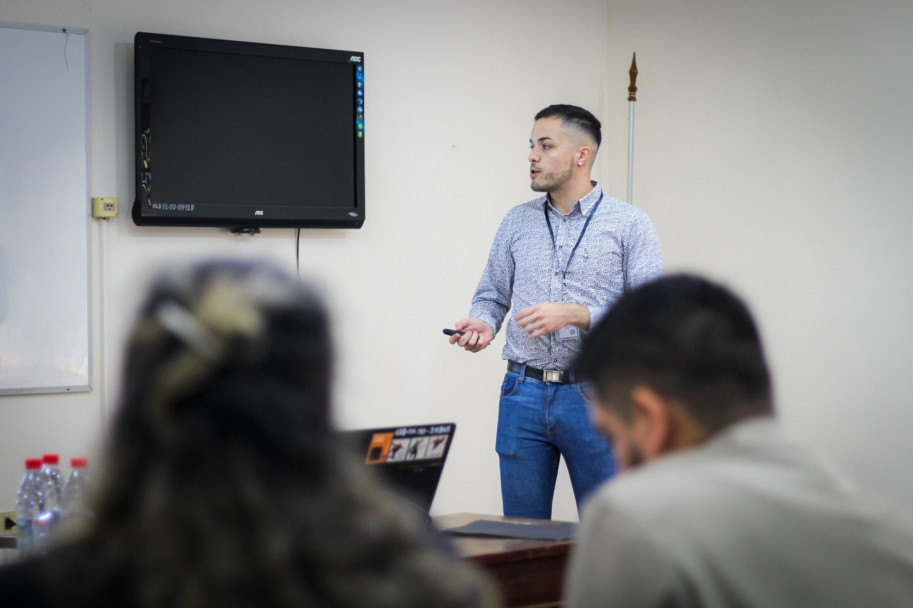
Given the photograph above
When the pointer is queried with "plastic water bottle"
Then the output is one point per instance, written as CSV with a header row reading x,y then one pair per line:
x,y
28,504
52,479
75,492
52,490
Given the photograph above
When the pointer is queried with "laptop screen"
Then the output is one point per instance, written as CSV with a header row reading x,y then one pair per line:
x,y
409,458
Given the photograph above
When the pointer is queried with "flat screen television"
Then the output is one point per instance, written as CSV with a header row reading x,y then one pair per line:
x,y
247,135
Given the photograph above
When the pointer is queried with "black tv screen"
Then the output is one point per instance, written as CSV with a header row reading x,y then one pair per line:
x,y
247,135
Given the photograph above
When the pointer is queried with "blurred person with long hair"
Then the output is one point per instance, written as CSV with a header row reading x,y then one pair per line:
x,y
223,482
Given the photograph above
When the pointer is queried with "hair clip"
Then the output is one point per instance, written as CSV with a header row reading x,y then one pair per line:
x,y
183,325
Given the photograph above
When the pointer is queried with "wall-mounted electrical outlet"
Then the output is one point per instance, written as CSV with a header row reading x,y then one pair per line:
x,y
7,522
104,207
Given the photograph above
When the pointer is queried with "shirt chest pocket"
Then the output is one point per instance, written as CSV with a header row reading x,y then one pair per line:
x,y
599,267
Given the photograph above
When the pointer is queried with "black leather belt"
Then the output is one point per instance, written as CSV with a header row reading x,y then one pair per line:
x,y
555,376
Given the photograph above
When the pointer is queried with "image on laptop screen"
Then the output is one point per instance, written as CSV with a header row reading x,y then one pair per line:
x,y
410,459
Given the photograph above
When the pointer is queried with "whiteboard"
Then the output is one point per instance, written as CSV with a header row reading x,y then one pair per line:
x,y
44,210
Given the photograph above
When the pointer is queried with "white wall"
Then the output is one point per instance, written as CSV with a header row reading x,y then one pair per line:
x,y
774,151
451,90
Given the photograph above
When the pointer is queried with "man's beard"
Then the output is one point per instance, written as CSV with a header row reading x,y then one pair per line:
x,y
549,182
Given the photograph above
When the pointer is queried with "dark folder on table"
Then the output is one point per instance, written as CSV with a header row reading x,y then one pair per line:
x,y
557,531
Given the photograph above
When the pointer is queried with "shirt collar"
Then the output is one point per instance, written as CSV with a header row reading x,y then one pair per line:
x,y
585,204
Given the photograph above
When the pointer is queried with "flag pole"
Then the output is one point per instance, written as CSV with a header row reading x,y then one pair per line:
x,y
632,97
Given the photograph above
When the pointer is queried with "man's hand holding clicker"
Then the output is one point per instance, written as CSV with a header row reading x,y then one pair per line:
x,y
476,334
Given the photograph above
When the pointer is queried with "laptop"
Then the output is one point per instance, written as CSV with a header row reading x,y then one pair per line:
x,y
410,459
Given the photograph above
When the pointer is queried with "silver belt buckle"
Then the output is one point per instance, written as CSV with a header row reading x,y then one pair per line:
x,y
553,375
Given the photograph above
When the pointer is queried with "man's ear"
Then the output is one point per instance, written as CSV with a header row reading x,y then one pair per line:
x,y
583,155
652,423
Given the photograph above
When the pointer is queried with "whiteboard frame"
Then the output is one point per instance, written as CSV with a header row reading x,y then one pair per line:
x,y
63,388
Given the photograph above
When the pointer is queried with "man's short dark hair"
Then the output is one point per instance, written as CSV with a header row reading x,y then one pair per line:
x,y
575,117
686,338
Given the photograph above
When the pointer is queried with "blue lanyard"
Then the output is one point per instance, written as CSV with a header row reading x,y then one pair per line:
x,y
579,238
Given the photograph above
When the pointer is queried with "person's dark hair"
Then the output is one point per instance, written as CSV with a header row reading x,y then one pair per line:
x,y
224,484
576,118
686,338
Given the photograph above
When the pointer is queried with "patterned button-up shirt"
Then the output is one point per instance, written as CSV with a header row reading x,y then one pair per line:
x,y
618,251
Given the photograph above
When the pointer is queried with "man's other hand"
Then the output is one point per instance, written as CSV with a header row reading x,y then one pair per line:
x,y
548,317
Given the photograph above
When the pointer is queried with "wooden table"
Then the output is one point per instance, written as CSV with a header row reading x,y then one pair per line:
x,y
530,573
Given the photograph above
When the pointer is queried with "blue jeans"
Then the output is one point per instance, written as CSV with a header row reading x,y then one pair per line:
x,y
538,422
